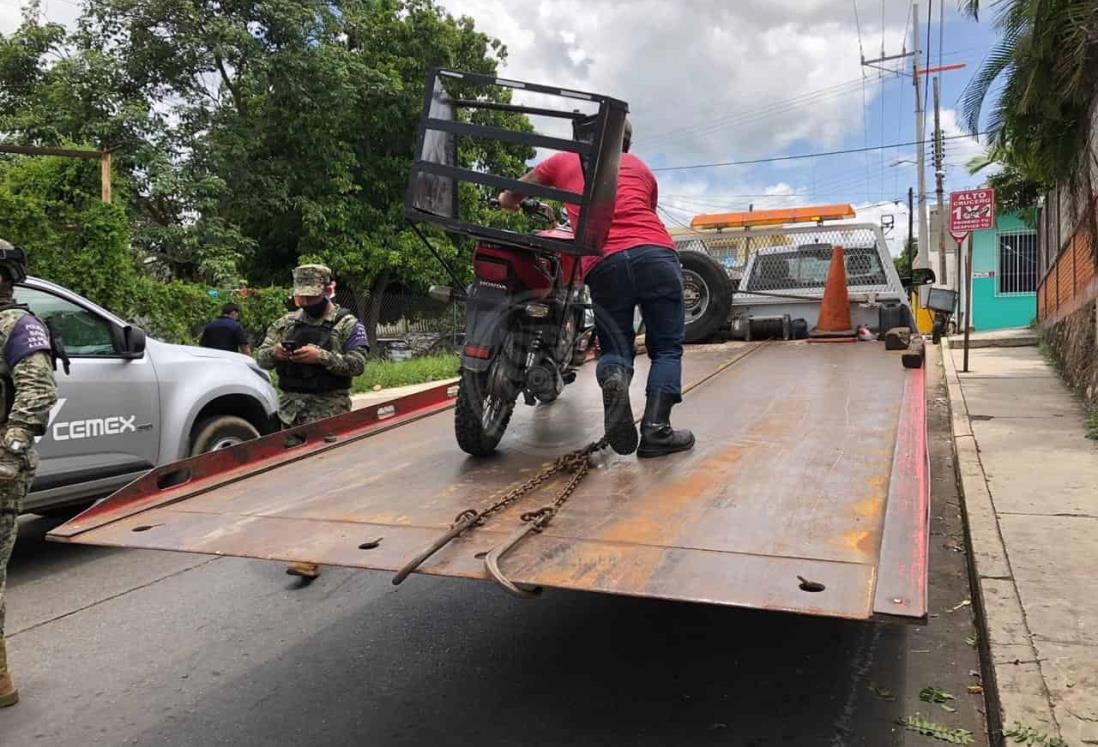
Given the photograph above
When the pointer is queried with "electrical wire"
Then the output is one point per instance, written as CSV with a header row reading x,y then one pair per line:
x,y
756,114
800,156
858,25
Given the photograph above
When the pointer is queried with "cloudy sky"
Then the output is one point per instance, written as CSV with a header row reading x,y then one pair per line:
x,y
731,80
721,80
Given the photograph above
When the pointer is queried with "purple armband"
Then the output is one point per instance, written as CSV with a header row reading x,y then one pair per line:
x,y
357,340
28,336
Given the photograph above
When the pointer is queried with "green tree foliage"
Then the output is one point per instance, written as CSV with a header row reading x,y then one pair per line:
x,y
51,208
1014,191
70,237
251,133
1046,60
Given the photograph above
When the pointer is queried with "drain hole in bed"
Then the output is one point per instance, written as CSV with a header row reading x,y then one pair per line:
x,y
371,544
807,585
144,528
481,555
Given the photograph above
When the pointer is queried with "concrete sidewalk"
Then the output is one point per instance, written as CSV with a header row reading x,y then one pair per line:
x,y
1015,337
1030,483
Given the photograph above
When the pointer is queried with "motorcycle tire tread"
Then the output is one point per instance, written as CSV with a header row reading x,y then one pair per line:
x,y
468,424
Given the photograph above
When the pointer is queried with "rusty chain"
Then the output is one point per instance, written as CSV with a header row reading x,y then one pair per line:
x,y
577,462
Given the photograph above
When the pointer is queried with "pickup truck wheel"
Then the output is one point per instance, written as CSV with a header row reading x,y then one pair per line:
x,y
706,295
221,432
480,414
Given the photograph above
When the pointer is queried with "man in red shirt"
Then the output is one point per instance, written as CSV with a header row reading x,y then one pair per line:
x,y
638,267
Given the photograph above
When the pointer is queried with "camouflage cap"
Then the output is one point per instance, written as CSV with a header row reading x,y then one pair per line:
x,y
311,280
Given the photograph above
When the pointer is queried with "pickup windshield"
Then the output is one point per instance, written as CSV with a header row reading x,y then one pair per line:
x,y
806,267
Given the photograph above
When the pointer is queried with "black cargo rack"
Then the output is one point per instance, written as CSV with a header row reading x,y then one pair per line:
x,y
432,195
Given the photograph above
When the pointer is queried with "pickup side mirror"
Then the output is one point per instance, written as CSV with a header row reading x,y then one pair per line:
x,y
133,341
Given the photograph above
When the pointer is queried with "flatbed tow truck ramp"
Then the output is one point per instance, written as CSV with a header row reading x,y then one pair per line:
x,y
807,491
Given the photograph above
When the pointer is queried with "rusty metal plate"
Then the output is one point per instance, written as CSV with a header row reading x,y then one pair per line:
x,y
789,482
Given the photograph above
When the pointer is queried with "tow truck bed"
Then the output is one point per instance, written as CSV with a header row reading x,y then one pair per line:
x,y
810,466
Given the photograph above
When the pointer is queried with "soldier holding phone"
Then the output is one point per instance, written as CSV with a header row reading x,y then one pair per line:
x,y
317,351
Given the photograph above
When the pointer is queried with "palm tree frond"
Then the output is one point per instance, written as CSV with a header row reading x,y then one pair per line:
x,y
972,100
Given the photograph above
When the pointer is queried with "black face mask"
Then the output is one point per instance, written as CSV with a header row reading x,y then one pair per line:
x,y
317,309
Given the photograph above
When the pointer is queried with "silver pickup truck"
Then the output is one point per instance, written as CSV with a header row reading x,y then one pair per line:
x,y
131,403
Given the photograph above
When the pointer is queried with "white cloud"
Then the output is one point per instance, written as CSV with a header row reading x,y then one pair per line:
x,y
959,151
11,14
704,78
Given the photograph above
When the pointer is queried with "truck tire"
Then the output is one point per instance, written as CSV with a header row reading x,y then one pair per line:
x,y
478,434
221,432
707,295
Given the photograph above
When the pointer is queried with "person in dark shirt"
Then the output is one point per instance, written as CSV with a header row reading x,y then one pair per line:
x,y
225,332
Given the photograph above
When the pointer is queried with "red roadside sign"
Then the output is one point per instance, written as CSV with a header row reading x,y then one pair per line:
x,y
971,210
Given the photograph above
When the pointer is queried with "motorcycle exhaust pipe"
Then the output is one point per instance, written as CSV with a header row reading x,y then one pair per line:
x,y
445,294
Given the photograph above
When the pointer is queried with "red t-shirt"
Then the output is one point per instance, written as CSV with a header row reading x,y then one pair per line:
x,y
635,221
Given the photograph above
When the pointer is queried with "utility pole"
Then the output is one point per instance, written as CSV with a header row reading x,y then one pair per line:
x,y
909,249
939,178
922,260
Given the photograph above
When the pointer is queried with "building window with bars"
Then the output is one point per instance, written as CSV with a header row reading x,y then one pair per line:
x,y
1017,263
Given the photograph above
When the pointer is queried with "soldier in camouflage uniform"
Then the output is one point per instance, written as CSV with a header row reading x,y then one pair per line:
x,y
29,391
316,351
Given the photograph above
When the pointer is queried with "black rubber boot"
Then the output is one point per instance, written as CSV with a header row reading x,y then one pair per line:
x,y
617,412
657,436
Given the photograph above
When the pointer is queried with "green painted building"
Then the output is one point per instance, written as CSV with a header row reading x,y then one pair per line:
x,y
1004,275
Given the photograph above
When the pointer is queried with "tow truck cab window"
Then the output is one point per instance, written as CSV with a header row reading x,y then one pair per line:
x,y
807,267
83,333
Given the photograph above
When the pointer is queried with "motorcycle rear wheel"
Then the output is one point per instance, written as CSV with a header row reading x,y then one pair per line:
x,y
481,415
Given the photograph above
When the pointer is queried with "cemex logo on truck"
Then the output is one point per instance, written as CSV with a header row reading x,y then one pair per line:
x,y
73,430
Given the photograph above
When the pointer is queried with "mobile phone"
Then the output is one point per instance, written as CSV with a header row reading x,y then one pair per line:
x,y
289,346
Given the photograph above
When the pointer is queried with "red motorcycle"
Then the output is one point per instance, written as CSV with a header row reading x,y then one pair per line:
x,y
527,328
527,325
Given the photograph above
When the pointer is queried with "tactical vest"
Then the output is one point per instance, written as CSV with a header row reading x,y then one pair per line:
x,y
312,378
56,353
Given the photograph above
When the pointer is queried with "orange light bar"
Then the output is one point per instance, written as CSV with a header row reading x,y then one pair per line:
x,y
814,214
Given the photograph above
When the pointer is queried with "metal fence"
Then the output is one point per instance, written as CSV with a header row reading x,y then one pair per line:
x,y
1017,274
409,324
731,249
799,258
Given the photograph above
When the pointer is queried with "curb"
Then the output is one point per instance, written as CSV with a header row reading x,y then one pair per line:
x,y
365,399
1027,341
1014,686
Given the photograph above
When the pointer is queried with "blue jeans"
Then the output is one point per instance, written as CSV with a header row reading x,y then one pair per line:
x,y
649,277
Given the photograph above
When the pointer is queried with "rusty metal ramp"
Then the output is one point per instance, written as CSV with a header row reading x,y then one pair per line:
x,y
806,492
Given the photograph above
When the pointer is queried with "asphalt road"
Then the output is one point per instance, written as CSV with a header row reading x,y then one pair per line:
x,y
135,647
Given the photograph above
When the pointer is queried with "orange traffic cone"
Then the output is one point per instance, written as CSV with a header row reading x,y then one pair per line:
x,y
834,320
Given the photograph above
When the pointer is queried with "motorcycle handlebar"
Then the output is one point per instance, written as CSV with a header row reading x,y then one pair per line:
x,y
529,206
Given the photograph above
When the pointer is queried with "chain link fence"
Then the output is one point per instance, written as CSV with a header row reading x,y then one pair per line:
x,y
409,324
732,249
794,259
